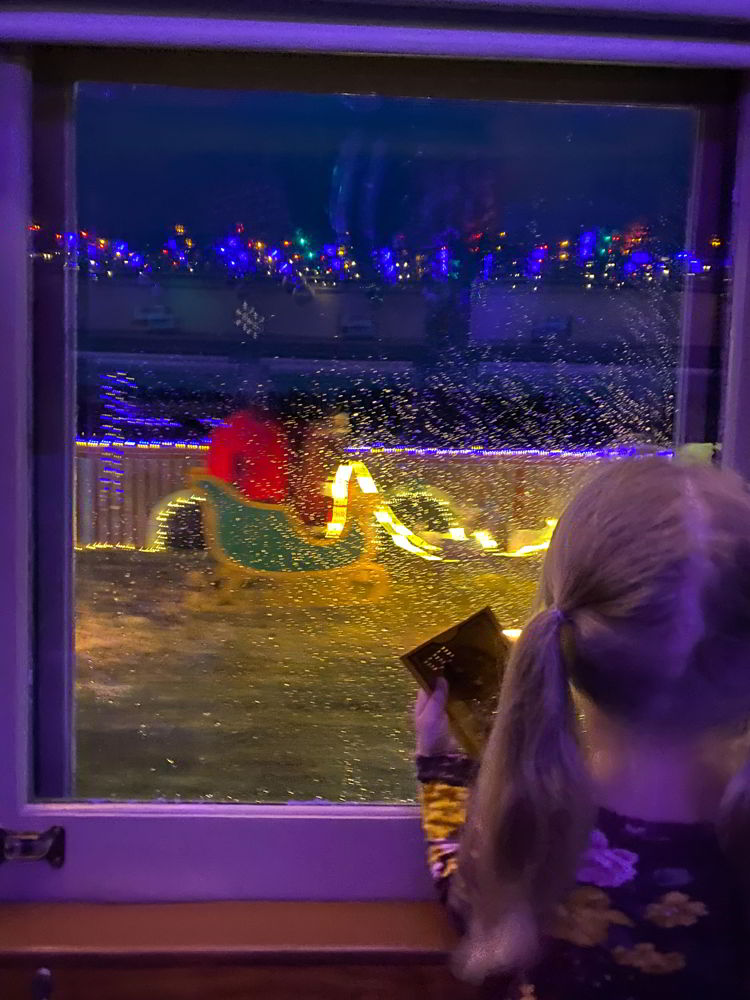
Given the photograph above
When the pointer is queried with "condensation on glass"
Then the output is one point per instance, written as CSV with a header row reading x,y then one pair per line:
x,y
340,361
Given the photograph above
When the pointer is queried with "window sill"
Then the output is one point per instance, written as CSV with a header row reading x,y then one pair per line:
x,y
231,932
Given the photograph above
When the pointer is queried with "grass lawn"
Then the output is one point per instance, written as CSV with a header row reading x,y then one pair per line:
x,y
268,701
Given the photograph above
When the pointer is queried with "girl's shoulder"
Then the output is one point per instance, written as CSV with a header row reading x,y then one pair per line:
x,y
644,857
657,875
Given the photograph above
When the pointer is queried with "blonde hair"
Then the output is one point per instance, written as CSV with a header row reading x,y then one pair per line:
x,y
644,607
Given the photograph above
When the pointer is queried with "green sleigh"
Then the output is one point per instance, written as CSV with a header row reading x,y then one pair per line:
x,y
259,541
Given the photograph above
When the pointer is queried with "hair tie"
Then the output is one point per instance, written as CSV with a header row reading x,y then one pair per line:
x,y
558,615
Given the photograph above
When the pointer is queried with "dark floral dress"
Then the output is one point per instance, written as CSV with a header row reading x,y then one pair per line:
x,y
654,915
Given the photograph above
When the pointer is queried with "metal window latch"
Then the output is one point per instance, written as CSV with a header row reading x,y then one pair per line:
x,y
48,846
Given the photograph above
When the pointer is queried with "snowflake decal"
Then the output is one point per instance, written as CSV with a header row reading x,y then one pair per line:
x,y
249,320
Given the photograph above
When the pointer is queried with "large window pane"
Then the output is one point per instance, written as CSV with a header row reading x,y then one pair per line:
x,y
340,361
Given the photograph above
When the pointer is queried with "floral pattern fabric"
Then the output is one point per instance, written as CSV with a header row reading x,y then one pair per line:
x,y
606,866
655,913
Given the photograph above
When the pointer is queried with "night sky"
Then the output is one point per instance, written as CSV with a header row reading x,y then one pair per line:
x,y
149,157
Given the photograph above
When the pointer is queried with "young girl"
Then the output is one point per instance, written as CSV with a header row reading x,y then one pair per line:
x,y
608,838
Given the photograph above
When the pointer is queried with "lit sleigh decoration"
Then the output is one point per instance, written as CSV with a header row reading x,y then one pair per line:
x,y
528,543
256,542
260,542
266,514
258,530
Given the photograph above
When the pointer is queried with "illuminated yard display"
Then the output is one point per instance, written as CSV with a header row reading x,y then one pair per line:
x,y
310,439
180,648
244,522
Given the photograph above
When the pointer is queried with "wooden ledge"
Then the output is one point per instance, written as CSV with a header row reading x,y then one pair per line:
x,y
240,932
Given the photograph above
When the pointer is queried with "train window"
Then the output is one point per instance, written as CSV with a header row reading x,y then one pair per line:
x,y
339,362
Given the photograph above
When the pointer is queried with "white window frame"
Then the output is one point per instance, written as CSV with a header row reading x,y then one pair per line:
x,y
154,851
357,31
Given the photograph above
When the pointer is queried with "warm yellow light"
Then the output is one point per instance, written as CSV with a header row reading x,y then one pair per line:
x,y
367,484
399,533
485,539
512,633
404,543
342,477
527,550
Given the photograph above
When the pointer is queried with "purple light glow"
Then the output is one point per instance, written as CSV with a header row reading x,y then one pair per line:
x,y
478,452
475,452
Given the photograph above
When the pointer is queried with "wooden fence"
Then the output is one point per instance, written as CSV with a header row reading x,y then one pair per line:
x,y
117,487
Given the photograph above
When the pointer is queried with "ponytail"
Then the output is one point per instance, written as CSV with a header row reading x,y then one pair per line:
x,y
531,813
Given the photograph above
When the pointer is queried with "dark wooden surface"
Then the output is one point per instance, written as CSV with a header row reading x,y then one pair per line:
x,y
229,951
264,982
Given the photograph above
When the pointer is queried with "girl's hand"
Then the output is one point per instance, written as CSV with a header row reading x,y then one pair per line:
x,y
434,734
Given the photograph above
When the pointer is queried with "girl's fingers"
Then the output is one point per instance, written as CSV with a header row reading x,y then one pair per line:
x,y
431,706
422,699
